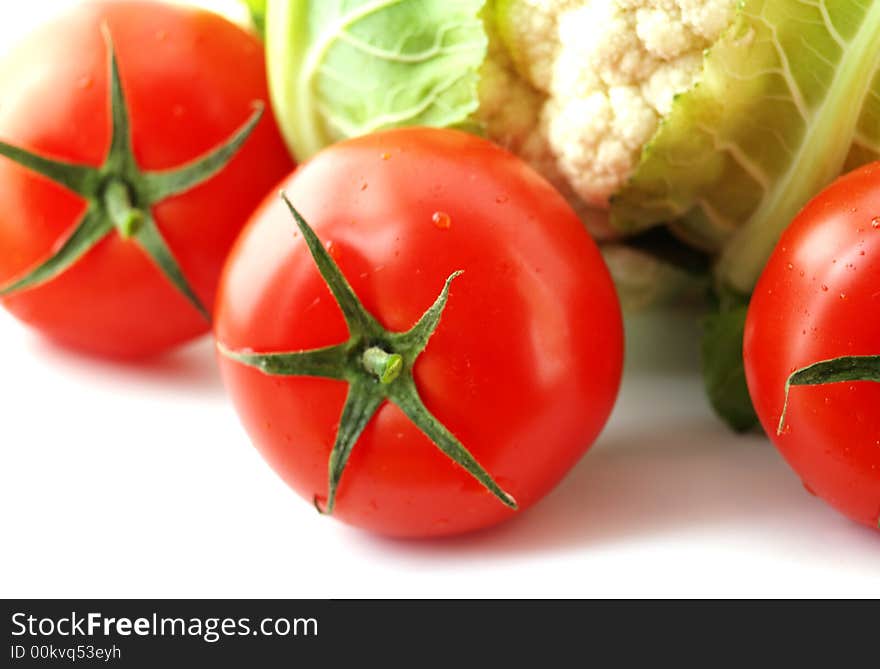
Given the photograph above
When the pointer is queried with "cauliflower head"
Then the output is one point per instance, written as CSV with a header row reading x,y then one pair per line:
x,y
578,87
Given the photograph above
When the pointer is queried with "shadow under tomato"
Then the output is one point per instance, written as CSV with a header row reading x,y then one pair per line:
x,y
665,468
189,368
683,481
641,487
679,481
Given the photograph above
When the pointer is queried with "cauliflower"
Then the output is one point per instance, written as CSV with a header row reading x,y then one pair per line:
x,y
578,87
715,120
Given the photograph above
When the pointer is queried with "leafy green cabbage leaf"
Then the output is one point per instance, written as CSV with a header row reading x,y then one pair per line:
x,y
342,68
788,99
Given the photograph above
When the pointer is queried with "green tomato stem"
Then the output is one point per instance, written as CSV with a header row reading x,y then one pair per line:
x,y
120,208
384,366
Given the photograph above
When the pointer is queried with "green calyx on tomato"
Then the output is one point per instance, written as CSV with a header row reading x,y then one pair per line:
x,y
834,370
120,195
378,366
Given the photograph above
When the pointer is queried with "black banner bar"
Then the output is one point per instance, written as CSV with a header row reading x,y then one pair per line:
x,y
287,633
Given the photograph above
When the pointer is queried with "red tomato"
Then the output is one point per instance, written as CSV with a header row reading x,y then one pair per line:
x,y
190,80
523,368
816,300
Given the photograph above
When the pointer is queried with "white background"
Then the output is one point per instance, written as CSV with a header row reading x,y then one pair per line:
x,y
137,480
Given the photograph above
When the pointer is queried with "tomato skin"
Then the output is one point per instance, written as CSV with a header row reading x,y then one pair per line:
x,y
190,79
818,299
523,368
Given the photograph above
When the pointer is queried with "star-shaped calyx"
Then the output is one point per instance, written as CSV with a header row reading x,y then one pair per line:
x,y
378,366
120,195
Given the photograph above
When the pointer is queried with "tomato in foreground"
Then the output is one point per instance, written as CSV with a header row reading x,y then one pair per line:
x,y
524,347
814,322
119,250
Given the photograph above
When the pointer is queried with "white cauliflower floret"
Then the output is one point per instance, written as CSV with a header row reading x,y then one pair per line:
x,y
600,75
511,111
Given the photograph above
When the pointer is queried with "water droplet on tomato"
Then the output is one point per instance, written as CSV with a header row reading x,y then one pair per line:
x,y
364,186
875,222
843,296
386,156
501,199
824,287
790,266
441,220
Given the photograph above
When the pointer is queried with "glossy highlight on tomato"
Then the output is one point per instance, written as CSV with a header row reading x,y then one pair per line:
x,y
523,368
190,79
818,300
